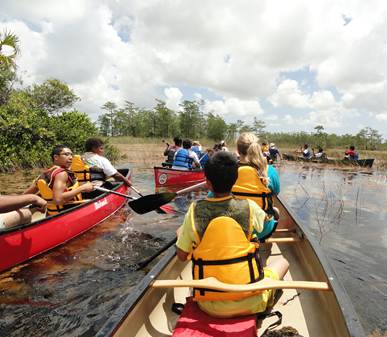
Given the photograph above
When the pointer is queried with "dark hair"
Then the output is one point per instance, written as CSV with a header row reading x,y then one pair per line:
x,y
320,149
57,150
93,143
217,147
187,143
177,141
352,147
221,170
306,146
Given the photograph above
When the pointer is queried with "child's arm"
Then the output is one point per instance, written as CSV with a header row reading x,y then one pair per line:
x,y
185,237
181,254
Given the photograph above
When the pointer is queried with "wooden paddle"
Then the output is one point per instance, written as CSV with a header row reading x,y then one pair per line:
x,y
213,284
150,202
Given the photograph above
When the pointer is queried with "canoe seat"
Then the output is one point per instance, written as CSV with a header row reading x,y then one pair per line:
x,y
195,323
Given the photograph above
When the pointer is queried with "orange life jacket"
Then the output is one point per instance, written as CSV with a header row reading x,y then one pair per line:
x,y
223,230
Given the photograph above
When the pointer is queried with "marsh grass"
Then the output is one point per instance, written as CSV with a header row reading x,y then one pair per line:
x,y
147,152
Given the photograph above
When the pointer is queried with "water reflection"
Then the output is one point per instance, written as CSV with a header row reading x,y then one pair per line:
x,y
346,210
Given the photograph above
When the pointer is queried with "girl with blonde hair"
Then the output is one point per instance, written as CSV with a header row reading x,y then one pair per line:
x,y
256,179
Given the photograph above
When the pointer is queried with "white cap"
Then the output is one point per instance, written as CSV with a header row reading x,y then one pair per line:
x,y
272,144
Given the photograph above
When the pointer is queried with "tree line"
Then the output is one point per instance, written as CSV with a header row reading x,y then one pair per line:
x,y
191,122
36,117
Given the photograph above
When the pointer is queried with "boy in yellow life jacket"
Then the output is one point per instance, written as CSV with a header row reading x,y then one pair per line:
x,y
58,184
216,235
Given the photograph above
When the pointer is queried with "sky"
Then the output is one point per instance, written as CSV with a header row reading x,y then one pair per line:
x,y
293,64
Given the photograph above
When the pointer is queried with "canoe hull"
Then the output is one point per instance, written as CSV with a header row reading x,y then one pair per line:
x,y
168,177
147,311
24,242
360,162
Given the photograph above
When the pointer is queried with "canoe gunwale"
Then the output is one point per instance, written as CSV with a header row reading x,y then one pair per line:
x,y
176,170
350,316
64,212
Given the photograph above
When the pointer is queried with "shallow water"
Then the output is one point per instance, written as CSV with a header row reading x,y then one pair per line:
x,y
347,212
73,289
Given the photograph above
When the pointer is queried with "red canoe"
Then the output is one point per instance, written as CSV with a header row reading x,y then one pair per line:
x,y
21,243
166,177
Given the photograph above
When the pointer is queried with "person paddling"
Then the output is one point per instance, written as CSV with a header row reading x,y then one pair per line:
x,y
306,152
351,153
170,151
58,184
185,158
94,158
216,235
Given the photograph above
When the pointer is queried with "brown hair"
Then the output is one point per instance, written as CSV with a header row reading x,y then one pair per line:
x,y
248,146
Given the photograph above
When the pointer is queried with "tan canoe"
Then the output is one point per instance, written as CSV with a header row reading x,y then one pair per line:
x,y
314,313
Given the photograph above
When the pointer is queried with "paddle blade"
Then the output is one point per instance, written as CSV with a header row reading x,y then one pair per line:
x,y
151,202
166,209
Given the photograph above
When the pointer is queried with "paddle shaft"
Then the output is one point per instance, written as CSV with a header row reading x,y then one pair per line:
x,y
213,284
191,188
102,189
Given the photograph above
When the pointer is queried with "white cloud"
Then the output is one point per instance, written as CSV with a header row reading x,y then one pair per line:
x,y
128,50
288,94
381,116
234,108
174,98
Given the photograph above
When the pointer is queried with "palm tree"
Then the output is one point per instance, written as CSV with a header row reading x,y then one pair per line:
x,y
9,49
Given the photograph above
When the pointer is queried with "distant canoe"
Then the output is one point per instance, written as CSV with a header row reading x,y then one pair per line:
x,y
359,162
168,177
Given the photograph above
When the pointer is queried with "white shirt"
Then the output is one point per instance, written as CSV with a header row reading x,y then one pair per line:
x,y
93,159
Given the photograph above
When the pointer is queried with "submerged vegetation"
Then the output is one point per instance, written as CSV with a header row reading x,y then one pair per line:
x,y
34,118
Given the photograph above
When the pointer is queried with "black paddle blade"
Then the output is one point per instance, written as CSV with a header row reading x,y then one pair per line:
x,y
151,202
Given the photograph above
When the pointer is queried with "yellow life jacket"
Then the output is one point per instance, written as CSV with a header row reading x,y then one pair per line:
x,y
44,183
223,247
84,172
80,169
250,186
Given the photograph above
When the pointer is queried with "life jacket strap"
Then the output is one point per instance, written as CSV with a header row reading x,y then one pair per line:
x,y
266,198
249,258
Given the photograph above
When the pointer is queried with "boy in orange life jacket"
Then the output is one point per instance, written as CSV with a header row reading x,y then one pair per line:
x,y
219,230
61,178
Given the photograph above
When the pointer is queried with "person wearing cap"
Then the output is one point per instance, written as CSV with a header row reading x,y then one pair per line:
x,y
274,152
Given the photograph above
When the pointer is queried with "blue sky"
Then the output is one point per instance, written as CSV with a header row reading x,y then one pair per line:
x,y
292,64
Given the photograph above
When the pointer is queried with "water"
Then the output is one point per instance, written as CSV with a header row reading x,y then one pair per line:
x,y
347,213
73,289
